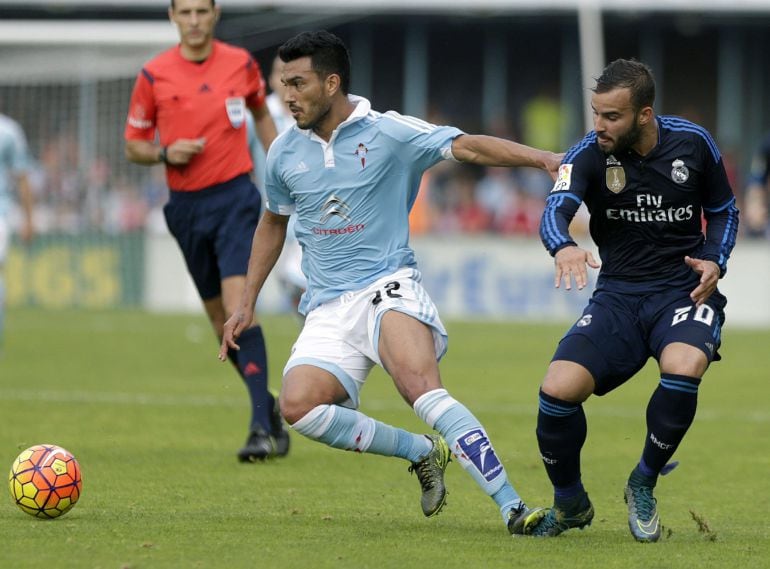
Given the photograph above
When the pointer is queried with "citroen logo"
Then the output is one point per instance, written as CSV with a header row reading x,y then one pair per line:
x,y
334,206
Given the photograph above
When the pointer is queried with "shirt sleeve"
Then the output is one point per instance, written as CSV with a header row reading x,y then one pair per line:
x,y
140,123
565,198
419,143
279,198
720,211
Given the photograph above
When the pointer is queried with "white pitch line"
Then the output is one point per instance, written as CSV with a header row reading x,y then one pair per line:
x,y
395,404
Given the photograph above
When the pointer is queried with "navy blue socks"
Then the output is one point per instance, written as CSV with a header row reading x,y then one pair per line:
x,y
251,361
670,413
561,432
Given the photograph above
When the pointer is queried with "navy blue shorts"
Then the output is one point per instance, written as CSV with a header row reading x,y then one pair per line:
x,y
619,332
214,228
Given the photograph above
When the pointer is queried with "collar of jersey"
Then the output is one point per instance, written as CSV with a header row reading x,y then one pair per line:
x,y
363,106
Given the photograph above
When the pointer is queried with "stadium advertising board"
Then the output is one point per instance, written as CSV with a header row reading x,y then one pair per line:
x,y
88,271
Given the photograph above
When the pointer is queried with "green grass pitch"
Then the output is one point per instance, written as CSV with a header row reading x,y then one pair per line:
x,y
154,420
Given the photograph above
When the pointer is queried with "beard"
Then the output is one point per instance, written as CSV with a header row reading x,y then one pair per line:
x,y
626,140
311,122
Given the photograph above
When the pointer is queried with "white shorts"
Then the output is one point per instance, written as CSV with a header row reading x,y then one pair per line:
x,y
341,336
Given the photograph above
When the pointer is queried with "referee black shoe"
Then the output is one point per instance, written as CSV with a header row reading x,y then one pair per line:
x,y
279,432
259,446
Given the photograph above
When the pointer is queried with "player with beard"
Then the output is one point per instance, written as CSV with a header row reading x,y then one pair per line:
x,y
646,181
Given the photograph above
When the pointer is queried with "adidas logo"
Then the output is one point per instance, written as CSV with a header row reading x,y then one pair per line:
x,y
301,167
204,88
252,369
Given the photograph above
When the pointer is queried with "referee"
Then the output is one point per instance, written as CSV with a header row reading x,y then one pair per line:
x,y
195,96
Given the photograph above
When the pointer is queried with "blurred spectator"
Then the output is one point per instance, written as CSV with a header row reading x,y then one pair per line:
x,y
523,219
126,209
756,197
498,193
97,186
469,214
62,190
542,120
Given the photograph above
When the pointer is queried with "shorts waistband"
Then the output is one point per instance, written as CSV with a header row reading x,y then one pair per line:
x,y
204,193
347,296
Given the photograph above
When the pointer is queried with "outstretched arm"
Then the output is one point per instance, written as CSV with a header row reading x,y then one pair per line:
x,y
492,151
265,249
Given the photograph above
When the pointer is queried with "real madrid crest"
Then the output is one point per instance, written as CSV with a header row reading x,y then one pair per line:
x,y
585,321
679,172
615,176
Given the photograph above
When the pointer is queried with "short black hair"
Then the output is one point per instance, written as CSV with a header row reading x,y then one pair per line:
x,y
173,5
629,74
328,54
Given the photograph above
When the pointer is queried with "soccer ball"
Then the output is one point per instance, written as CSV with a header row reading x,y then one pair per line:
x,y
45,481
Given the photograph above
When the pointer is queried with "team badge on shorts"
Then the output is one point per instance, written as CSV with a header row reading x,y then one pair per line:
x,y
236,110
585,321
679,172
476,446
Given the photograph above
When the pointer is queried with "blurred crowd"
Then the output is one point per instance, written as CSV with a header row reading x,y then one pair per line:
x,y
457,198
454,198
109,196
74,196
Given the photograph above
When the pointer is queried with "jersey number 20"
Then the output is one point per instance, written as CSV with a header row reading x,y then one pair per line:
x,y
704,313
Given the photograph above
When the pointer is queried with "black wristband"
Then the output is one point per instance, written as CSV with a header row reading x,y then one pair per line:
x,y
163,157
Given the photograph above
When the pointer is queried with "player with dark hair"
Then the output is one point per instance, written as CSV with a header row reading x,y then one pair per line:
x,y
196,96
646,181
351,174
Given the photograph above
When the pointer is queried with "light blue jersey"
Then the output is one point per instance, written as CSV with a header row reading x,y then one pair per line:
x,y
352,195
14,159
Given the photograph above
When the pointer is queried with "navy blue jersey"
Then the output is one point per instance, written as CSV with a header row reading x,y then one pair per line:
x,y
646,211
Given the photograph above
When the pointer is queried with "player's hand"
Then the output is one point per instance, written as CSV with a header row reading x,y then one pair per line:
x,y
182,150
571,263
709,276
234,326
552,163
